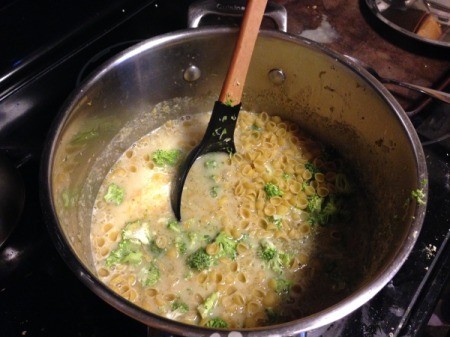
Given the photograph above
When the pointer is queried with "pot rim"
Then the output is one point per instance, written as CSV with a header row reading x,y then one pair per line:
x,y
319,319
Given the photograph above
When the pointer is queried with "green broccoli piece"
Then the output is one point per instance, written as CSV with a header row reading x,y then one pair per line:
x,y
127,251
284,259
174,225
277,221
178,309
276,259
200,260
330,211
208,305
211,164
180,245
166,157
114,194
153,247
149,276
227,245
268,250
273,317
214,192
323,211
272,190
137,231
193,238
314,204
319,215
331,207
304,185
419,196
283,286
216,322
312,168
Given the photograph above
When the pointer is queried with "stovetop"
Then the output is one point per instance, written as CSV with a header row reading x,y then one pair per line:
x,y
39,295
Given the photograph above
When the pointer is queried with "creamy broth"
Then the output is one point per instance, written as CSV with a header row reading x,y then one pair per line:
x,y
268,235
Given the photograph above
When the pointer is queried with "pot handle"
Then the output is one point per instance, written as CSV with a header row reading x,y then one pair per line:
x,y
199,9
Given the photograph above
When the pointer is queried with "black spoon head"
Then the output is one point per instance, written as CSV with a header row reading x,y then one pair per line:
x,y
219,137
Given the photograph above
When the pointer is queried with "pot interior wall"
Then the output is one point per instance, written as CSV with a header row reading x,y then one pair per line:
x,y
144,87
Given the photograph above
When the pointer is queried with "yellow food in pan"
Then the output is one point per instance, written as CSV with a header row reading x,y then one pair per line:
x,y
269,234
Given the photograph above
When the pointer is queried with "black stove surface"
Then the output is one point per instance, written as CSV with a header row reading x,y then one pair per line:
x,y
40,296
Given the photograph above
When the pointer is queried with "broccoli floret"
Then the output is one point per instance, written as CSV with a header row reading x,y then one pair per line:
x,y
216,322
149,276
319,215
283,286
314,204
178,309
208,305
166,157
180,245
273,317
276,259
174,225
137,231
328,212
312,168
210,164
331,207
244,237
200,260
114,194
419,196
214,191
127,251
277,221
304,185
285,259
153,247
286,176
332,210
227,245
272,190
268,251
193,238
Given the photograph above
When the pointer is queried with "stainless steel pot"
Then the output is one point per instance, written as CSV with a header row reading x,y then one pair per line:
x,y
181,73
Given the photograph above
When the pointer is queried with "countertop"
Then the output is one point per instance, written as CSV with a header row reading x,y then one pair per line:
x,y
349,27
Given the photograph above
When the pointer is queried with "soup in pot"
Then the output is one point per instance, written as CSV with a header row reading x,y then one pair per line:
x,y
269,234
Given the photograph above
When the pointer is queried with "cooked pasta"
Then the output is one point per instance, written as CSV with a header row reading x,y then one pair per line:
x,y
268,234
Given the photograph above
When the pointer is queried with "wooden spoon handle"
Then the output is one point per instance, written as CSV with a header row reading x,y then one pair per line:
x,y
233,85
